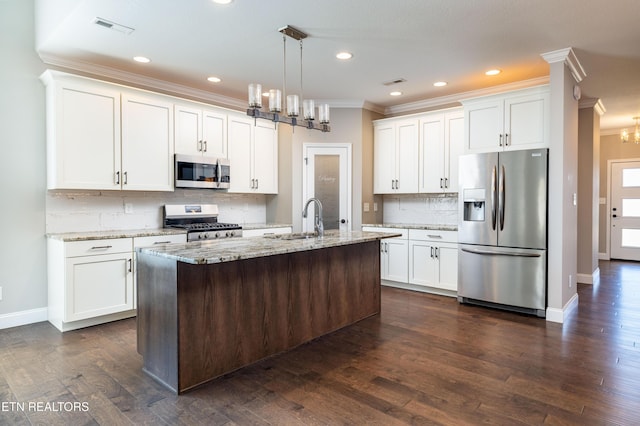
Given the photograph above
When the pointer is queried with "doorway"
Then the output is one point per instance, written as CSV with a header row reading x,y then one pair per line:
x,y
624,215
327,177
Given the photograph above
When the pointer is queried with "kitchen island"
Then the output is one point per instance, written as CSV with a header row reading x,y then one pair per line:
x,y
208,308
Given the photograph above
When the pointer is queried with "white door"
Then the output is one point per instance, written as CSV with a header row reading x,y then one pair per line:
x,y
327,177
625,210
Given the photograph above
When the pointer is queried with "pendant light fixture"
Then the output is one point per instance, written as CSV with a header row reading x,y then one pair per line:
x,y
276,96
624,135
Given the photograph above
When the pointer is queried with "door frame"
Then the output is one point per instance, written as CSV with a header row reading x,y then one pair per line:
x,y
607,254
348,147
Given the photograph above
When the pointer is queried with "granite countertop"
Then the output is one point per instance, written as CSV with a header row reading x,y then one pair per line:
x,y
102,235
248,226
230,249
433,227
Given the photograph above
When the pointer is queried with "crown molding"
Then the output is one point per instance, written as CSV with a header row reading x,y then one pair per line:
x,y
595,103
457,98
570,59
143,81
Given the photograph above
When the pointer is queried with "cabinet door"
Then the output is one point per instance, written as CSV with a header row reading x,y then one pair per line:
x,y
448,267
407,157
384,158
397,252
188,125
239,153
265,158
454,143
483,126
98,285
83,141
214,133
422,264
432,154
147,143
527,121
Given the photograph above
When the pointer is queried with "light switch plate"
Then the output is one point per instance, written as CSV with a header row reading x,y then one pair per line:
x,y
366,207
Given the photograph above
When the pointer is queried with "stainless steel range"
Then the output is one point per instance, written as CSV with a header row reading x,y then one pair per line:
x,y
200,221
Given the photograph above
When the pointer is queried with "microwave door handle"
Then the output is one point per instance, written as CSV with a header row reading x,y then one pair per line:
x,y
493,198
218,172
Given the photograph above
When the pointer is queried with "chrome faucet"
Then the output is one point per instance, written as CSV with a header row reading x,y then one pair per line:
x,y
318,225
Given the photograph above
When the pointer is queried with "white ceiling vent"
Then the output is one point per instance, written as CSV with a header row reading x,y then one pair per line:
x,y
396,81
112,26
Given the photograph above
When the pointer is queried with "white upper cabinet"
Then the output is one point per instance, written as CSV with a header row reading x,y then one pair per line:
x,y
441,141
395,157
253,155
83,133
105,136
147,143
200,131
509,121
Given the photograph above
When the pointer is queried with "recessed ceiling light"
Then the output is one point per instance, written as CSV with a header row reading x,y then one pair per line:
x,y
344,55
214,79
141,59
396,93
222,1
440,83
493,72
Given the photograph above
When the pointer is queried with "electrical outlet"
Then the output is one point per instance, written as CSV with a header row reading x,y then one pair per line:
x,y
366,207
570,280
0,293
375,207
128,208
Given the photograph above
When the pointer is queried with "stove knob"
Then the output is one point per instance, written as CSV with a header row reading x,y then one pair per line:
x,y
204,236
229,233
217,235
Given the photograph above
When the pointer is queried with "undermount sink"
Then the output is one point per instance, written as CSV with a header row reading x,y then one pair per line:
x,y
293,236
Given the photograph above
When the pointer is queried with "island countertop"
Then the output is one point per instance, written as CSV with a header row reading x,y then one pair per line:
x,y
231,249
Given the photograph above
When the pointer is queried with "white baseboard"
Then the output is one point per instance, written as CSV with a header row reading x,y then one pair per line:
x,y
16,319
593,278
560,315
604,256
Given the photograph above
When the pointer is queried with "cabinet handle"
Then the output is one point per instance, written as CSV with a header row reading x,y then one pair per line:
x,y
117,178
130,265
437,252
441,181
162,242
500,139
393,184
432,252
446,182
101,247
205,146
506,139
257,183
200,146
434,236
126,178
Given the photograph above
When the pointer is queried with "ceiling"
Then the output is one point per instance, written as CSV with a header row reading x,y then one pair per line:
x,y
420,41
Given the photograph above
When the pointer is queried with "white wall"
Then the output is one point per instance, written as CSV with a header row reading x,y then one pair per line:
x,y
22,162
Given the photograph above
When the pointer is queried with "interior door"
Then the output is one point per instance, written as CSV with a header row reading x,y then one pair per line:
x,y
327,177
625,210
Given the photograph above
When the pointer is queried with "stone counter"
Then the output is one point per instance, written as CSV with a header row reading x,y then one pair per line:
x,y
227,250
433,227
103,235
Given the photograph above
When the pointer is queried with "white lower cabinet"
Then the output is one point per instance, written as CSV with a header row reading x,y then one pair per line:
x,y
433,259
394,254
89,280
266,231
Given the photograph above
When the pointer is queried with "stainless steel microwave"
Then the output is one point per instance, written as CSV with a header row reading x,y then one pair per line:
x,y
195,171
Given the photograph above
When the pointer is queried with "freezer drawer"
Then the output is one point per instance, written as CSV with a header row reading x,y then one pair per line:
x,y
513,278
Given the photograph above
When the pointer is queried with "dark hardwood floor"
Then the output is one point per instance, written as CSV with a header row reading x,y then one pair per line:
x,y
425,360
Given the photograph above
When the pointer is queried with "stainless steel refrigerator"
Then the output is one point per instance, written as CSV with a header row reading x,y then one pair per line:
x,y
502,230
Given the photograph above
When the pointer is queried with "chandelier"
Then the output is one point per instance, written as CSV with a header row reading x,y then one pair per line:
x,y
292,101
624,135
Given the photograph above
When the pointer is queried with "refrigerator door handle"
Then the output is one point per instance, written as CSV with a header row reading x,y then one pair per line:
x,y
501,199
493,198
493,253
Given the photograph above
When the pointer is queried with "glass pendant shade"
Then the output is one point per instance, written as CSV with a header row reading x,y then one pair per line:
x,y
293,105
323,113
255,95
275,100
308,109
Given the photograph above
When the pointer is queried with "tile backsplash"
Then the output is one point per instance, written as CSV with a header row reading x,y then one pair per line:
x,y
428,209
81,211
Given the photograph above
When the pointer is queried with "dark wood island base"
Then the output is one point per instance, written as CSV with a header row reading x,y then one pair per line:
x,y
197,322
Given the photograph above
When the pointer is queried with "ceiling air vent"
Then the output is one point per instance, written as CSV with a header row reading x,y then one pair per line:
x,y
396,81
112,26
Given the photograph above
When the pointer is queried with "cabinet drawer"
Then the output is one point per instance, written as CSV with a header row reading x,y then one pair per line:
x,y
433,235
96,247
404,232
159,239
